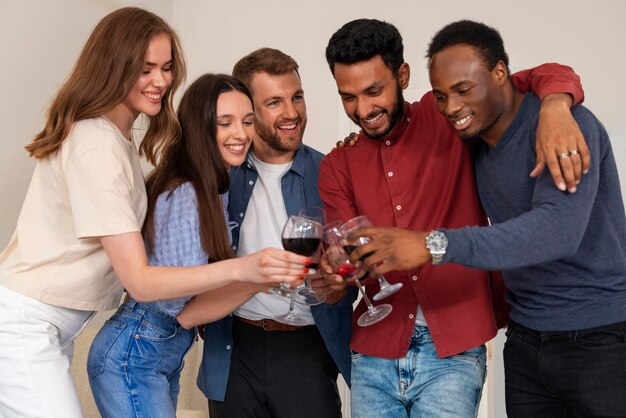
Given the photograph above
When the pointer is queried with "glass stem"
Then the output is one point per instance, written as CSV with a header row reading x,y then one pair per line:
x,y
292,302
370,307
382,282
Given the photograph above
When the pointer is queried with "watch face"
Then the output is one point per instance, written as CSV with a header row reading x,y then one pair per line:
x,y
437,241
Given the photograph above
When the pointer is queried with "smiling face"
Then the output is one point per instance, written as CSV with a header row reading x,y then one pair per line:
x,y
146,94
235,127
371,94
468,94
280,115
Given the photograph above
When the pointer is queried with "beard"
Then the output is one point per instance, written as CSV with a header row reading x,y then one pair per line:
x,y
396,113
271,137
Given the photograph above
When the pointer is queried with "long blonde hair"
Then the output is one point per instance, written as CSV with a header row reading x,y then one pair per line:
x,y
108,66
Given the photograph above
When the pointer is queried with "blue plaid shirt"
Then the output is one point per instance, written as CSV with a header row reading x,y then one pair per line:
x,y
177,236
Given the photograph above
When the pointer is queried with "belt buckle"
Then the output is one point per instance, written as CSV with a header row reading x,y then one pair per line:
x,y
263,325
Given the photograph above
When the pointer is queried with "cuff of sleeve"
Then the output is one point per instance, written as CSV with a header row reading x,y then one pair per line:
x,y
564,87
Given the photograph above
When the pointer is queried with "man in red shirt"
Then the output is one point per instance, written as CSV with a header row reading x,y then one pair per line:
x,y
409,170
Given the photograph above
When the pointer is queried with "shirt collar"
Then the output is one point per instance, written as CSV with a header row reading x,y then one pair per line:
x,y
299,161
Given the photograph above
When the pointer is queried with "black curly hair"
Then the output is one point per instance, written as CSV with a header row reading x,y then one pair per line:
x,y
363,39
485,39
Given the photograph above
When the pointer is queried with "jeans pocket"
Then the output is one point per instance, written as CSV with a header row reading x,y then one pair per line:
x,y
101,345
148,331
475,356
605,339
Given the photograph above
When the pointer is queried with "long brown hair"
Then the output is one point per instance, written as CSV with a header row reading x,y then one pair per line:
x,y
195,157
106,70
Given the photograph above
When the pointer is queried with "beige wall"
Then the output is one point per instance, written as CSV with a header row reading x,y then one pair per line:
x,y
40,39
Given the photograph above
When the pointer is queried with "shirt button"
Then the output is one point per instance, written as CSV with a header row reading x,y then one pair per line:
x,y
414,278
249,165
241,214
410,316
398,207
228,347
390,174
234,247
408,119
388,142
250,182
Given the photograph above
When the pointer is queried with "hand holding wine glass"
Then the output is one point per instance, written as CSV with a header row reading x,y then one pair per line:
x,y
271,266
350,231
339,260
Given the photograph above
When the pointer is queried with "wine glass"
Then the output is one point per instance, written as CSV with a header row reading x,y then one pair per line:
x,y
348,230
303,236
339,260
307,295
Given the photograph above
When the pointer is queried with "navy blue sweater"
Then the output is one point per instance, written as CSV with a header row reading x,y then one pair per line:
x,y
563,255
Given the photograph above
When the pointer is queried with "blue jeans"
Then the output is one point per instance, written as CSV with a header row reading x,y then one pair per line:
x,y
419,385
135,361
559,374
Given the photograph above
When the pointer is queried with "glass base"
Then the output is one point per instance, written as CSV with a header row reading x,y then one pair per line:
x,y
290,319
310,297
387,291
374,315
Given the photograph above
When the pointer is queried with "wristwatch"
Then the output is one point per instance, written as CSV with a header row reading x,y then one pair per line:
x,y
437,243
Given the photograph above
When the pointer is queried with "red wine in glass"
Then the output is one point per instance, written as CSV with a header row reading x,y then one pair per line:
x,y
302,246
301,235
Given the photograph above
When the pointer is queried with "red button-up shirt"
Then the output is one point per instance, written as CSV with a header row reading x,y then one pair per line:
x,y
420,177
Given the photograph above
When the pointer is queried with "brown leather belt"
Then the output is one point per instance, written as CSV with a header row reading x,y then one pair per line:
x,y
270,324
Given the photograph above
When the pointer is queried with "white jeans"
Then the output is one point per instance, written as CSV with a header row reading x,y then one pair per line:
x,y
36,347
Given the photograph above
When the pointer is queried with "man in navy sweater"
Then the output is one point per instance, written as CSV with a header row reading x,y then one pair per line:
x,y
563,255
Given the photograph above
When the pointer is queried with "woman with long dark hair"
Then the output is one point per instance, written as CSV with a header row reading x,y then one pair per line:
x,y
135,360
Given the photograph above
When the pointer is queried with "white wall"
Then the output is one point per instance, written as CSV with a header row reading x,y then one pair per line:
x,y
39,41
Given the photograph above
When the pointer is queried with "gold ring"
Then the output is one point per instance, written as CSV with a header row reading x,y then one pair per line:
x,y
564,155
573,152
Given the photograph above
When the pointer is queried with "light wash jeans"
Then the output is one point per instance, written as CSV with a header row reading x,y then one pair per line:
x,y
36,347
135,361
419,385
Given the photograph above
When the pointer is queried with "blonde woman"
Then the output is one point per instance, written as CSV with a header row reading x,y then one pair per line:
x,y
79,230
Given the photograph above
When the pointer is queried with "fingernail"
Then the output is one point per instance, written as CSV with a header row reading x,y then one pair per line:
x,y
300,277
306,271
562,187
308,261
585,171
572,190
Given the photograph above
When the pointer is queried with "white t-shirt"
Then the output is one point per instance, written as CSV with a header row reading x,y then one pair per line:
x,y
91,187
261,228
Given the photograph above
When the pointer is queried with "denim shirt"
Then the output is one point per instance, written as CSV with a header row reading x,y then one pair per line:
x,y
334,321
